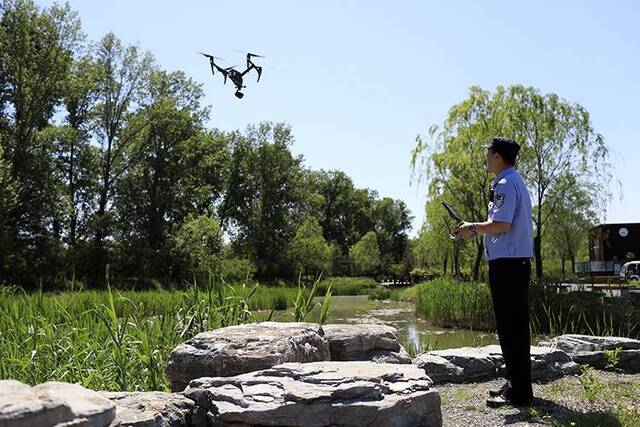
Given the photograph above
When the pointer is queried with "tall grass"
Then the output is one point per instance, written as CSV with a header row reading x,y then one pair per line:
x,y
452,303
117,340
583,313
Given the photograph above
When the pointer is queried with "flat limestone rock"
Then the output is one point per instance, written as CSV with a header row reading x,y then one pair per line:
x,y
477,363
89,408
590,350
365,341
318,394
245,348
20,406
52,404
439,369
468,364
548,363
151,409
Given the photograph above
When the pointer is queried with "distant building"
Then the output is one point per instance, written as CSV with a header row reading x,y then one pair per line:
x,y
610,246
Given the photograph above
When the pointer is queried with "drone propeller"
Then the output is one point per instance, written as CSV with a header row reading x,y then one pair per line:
x,y
210,56
251,55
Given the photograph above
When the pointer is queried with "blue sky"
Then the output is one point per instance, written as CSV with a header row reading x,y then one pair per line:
x,y
358,80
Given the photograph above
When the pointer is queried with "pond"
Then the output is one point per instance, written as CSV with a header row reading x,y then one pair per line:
x,y
415,333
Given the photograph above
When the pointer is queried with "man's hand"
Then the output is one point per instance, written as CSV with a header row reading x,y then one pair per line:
x,y
464,231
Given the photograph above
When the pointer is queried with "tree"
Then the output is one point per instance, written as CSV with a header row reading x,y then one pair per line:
x,y
122,74
557,140
150,193
454,159
365,255
198,242
36,51
392,221
264,195
8,198
308,250
571,220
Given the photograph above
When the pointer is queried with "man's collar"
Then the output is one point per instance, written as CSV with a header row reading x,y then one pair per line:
x,y
501,175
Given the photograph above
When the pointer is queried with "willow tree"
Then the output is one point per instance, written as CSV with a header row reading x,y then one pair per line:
x,y
453,159
557,140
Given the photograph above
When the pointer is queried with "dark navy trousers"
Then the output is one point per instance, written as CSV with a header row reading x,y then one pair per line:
x,y
509,283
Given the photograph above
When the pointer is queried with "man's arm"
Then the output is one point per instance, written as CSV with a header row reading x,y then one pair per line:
x,y
503,211
465,229
492,227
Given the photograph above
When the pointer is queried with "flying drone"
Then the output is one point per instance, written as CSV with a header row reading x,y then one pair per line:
x,y
234,75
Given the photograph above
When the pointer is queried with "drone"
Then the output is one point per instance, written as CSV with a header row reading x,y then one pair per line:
x,y
233,74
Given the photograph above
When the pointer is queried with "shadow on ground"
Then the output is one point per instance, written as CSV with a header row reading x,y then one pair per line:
x,y
545,412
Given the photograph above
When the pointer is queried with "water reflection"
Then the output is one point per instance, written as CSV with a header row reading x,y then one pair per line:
x,y
415,334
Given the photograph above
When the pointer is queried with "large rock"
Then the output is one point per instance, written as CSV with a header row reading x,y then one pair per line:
x,y
464,364
548,363
245,348
590,350
378,343
439,369
52,404
151,409
20,406
468,364
319,394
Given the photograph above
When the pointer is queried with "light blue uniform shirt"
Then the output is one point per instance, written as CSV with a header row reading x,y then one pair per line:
x,y
511,203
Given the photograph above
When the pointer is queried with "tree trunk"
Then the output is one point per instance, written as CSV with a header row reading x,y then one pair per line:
x,y
537,246
446,258
476,265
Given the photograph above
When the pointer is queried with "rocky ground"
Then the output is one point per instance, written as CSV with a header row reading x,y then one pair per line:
x,y
559,403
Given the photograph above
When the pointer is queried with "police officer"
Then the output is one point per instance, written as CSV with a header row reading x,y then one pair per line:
x,y
508,243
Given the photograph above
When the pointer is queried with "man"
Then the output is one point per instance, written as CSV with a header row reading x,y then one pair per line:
x,y
508,243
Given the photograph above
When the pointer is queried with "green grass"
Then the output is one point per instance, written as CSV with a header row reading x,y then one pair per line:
x,y
453,303
617,403
348,285
113,340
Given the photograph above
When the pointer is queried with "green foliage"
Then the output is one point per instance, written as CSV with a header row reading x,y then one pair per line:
x,y
237,269
591,386
324,309
380,294
561,155
582,313
199,242
347,285
108,186
365,255
308,250
452,303
612,357
303,303
116,340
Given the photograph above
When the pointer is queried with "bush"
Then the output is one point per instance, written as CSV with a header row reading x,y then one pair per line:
x,y
348,285
237,270
198,243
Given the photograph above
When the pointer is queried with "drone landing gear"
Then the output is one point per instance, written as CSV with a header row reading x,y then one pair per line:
x,y
239,94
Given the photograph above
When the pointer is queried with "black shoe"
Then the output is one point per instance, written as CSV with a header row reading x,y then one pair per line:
x,y
502,389
505,400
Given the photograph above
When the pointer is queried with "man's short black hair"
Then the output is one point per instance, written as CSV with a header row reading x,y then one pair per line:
x,y
506,147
